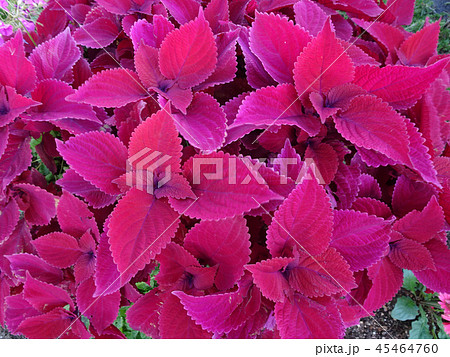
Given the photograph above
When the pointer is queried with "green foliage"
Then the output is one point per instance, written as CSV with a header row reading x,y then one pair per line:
x,y
122,324
405,309
427,324
424,9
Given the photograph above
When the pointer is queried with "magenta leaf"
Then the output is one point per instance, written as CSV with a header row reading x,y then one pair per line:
x,y
52,94
237,177
74,216
310,16
271,106
15,159
278,48
400,86
196,55
58,249
45,297
361,239
204,123
12,105
424,225
386,279
174,321
102,310
16,70
99,33
221,313
106,274
303,222
75,184
54,58
35,266
144,314
226,243
111,88
409,254
323,64
365,123
420,46
98,157
437,279
319,275
302,317
269,276
182,10
140,227
9,217
38,204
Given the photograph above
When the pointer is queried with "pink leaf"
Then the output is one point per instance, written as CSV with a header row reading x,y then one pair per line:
x,y
15,159
38,204
278,48
17,310
422,226
439,279
110,88
97,34
221,313
361,239
36,267
386,280
400,86
98,157
196,54
302,317
236,187
373,124
140,227
369,187
408,254
372,207
322,65
304,222
49,325
12,105
16,70
204,123
106,274
58,249
74,216
45,297
182,10
310,16
269,276
101,310
325,159
75,184
52,94
272,106
226,243
420,46
175,323
144,314
324,274
54,58
9,217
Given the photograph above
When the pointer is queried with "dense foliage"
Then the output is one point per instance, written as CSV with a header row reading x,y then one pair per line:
x,y
276,163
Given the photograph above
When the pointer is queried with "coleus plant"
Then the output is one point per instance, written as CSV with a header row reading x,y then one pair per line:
x,y
162,112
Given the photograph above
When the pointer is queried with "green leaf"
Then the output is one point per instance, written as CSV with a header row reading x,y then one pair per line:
x,y
143,287
405,309
420,329
409,280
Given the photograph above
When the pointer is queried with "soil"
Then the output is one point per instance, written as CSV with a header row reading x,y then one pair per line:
x,y
390,328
